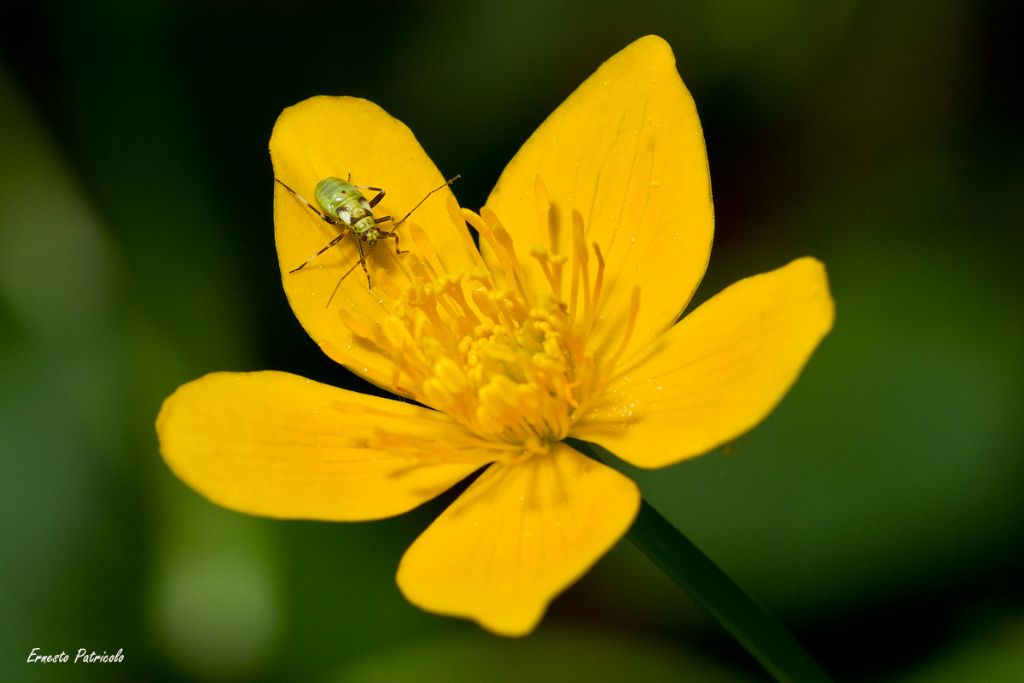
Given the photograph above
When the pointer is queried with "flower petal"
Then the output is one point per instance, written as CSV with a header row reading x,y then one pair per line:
x,y
717,373
626,150
518,537
337,136
274,444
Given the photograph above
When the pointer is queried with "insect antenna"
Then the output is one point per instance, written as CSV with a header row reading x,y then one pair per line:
x,y
439,187
338,284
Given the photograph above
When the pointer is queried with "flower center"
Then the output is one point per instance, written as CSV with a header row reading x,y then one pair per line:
x,y
505,357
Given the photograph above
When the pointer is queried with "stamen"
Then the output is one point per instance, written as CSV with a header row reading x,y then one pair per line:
x,y
548,218
503,238
599,279
485,231
394,333
459,221
424,248
439,330
467,315
542,259
581,256
484,302
578,261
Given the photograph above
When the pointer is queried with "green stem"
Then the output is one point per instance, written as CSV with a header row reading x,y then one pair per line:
x,y
758,631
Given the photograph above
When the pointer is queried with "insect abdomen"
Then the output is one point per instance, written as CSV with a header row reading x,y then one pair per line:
x,y
342,200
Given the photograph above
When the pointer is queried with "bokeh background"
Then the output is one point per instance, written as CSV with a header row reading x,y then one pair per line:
x,y
878,512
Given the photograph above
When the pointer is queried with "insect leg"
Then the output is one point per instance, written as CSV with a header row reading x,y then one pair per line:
x,y
338,284
362,262
379,196
445,184
393,235
325,248
382,219
305,201
379,190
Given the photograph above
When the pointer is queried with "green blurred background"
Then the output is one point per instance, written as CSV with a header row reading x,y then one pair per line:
x,y
878,511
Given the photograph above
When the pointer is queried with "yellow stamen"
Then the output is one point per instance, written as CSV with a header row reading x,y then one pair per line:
x,y
580,247
588,324
485,231
505,240
548,217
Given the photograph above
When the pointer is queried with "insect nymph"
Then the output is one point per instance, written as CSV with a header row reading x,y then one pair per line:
x,y
343,205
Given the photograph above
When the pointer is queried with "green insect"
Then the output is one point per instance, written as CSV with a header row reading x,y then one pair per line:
x,y
343,205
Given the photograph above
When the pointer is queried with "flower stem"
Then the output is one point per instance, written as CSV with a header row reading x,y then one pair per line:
x,y
757,631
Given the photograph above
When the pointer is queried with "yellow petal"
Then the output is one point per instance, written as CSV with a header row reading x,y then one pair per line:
x,y
519,536
626,150
337,136
274,444
717,373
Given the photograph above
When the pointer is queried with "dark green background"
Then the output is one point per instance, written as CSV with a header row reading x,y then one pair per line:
x,y
878,511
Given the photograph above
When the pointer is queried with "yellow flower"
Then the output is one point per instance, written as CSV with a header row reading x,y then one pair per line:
x,y
563,324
